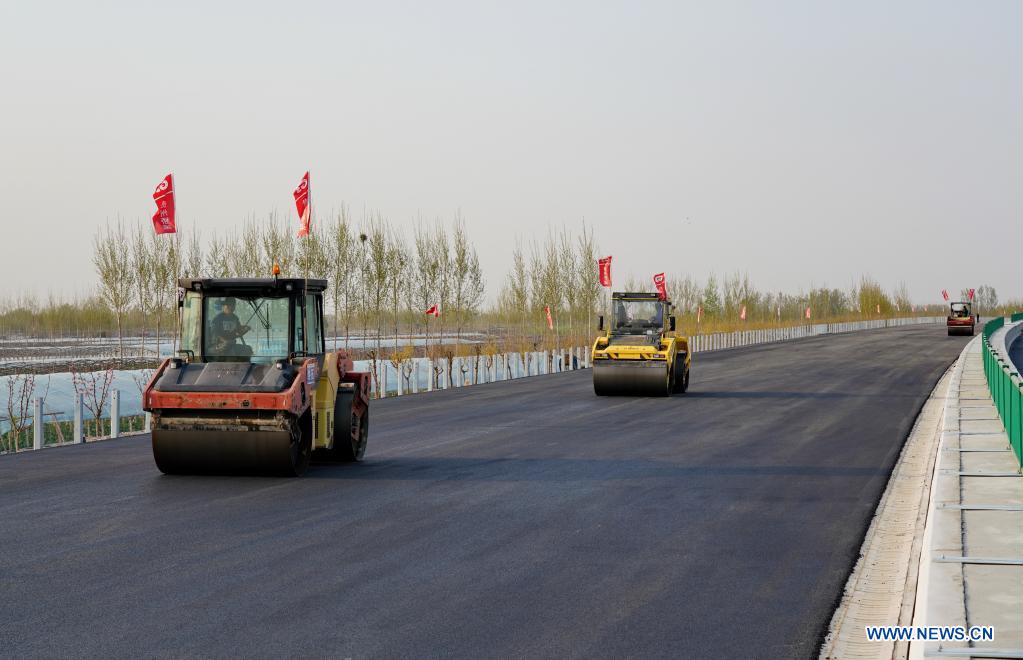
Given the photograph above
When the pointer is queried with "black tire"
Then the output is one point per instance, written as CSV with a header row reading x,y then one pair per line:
x,y
685,381
301,449
351,431
681,372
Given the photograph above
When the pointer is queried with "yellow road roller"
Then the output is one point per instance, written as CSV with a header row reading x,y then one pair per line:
x,y
637,353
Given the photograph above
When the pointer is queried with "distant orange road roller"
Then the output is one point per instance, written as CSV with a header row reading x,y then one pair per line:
x,y
960,320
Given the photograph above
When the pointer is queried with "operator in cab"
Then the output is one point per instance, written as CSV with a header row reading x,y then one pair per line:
x,y
226,329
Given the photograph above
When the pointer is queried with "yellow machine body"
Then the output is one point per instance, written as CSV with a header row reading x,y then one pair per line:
x,y
639,352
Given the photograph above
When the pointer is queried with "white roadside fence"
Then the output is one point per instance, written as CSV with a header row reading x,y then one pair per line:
x,y
425,375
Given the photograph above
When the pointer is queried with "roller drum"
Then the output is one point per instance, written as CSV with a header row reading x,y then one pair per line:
x,y
199,445
632,378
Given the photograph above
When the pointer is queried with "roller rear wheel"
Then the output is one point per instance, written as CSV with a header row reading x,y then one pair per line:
x,y
351,431
301,449
681,382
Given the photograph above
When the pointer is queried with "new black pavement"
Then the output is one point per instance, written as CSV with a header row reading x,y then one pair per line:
x,y
519,519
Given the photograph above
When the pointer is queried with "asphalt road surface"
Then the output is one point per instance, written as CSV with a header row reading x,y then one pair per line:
x,y
520,519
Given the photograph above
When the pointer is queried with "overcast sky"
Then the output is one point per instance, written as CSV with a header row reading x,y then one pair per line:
x,y
804,142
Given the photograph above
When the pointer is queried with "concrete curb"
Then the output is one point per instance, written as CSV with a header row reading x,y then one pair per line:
x,y
970,566
940,595
882,587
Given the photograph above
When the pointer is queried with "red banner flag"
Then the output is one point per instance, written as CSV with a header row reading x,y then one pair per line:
x,y
433,311
550,321
163,220
971,294
302,204
604,266
807,313
742,313
662,292
944,294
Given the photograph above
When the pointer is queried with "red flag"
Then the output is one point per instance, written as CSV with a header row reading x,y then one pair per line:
x,y
971,294
944,294
662,292
699,313
302,204
163,220
604,266
550,321
807,313
742,313
433,311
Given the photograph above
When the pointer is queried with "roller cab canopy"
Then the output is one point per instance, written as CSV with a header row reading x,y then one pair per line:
x,y
635,314
960,310
253,320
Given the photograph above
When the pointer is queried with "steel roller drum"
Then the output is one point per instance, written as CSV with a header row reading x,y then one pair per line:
x,y
630,378
197,445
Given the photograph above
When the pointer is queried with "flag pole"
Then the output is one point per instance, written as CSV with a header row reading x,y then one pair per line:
x,y
178,297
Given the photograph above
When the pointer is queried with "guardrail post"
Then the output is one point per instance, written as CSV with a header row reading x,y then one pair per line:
x,y
78,431
37,423
1017,439
115,414
1013,409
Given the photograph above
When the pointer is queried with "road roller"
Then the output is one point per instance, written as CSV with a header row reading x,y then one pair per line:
x,y
960,320
253,389
638,353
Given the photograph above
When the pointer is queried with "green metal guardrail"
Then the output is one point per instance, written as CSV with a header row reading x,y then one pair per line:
x,y
991,326
1018,316
1006,390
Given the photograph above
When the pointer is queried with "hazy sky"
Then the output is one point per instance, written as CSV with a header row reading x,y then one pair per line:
x,y
803,142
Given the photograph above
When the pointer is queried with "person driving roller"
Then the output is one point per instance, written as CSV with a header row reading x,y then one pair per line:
x,y
226,329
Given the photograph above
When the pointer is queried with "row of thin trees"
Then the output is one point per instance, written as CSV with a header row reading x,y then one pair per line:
x,y
382,278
